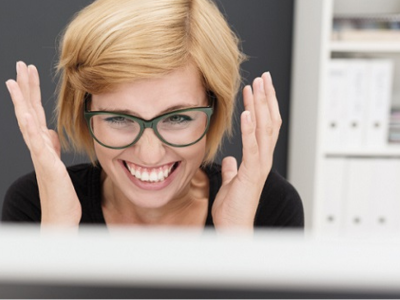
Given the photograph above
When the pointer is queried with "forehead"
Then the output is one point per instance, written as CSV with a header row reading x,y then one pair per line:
x,y
148,97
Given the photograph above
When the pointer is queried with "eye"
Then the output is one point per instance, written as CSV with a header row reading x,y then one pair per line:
x,y
117,120
177,119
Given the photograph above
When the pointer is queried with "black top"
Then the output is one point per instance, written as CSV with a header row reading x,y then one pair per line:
x,y
280,204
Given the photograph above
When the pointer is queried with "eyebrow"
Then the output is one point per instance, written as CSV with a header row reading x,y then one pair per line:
x,y
132,113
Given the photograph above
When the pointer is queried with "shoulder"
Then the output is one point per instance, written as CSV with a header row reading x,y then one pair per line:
x,y
84,177
22,201
280,204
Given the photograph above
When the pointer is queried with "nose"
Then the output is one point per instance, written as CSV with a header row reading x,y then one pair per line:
x,y
149,148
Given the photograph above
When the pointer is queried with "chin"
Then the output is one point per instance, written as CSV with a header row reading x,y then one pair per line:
x,y
150,194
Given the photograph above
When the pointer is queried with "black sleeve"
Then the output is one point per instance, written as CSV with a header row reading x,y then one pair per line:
x,y
280,204
22,202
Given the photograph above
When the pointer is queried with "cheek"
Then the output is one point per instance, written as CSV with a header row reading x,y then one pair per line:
x,y
105,155
194,154
100,153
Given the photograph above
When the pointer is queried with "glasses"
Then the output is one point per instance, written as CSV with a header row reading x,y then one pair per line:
x,y
179,128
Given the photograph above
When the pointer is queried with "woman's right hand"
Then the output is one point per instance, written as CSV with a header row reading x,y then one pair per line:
x,y
59,202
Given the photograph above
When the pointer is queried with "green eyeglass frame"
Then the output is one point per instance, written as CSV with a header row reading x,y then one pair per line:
x,y
208,110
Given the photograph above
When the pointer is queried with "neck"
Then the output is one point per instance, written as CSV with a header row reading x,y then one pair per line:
x,y
189,209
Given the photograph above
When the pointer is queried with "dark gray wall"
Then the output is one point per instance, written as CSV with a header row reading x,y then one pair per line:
x,y
29,31
265,28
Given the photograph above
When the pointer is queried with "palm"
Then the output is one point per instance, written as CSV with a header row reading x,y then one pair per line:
x,y
237,200
59,202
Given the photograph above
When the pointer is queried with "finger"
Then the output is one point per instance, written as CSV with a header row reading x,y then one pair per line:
x,y
24,85
35,96
263,122
26,121
23,82
251,159
271,94
228,169
17,98
248,100
268,120
273,105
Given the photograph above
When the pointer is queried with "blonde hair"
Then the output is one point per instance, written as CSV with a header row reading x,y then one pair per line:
x,y
112,42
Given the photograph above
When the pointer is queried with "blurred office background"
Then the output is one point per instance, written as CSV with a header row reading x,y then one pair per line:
x,y
336,69
30,30
344,154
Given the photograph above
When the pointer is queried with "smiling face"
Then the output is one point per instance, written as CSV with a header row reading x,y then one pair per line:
x,y
151,174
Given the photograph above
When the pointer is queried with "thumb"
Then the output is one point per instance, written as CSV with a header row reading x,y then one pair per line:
x,y
55,141
228,169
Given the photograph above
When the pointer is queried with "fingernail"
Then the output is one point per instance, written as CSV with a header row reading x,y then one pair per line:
x,y
33,72
268,76
261,84
8,86
17,66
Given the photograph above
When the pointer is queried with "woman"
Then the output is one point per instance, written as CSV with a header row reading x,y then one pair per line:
x,y
147,90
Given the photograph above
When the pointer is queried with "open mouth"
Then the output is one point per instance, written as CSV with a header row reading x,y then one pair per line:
x,y
157,174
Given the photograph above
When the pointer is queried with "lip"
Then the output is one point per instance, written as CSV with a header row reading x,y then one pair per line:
x,y
151,186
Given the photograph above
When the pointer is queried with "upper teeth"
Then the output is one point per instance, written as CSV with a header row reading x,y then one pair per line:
x,y
150,174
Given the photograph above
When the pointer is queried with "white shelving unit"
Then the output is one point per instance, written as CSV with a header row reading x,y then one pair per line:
x,y
365,47
313,49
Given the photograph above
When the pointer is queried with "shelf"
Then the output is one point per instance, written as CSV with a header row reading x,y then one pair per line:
x,y
323,182
389,151
377,46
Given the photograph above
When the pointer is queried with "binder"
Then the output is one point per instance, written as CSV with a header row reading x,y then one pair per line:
x,y
334,190
379,102
356,100
385,196
357,216
335,110
372,200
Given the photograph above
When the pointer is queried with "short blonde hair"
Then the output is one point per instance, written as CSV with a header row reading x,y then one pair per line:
x,y
112,42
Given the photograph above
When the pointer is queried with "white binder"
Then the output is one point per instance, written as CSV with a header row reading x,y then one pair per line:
x,y
356,102
357,216
335,105
379,102
385,196
334,190
372,201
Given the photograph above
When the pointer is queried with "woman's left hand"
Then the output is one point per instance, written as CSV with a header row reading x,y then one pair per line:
x,y
237,200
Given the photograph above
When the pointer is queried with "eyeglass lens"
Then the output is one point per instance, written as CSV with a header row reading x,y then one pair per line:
x,y
180,129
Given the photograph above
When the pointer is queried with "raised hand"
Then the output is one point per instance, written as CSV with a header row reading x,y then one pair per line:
x,y
58,199
237,200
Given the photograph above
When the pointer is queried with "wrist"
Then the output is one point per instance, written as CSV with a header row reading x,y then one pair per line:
x,y
228,224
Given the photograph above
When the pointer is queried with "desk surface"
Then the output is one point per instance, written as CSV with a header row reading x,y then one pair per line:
x,y
143,259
